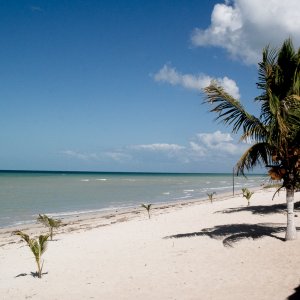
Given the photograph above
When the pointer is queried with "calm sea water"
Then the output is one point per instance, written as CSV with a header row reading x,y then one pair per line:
x,y
23,195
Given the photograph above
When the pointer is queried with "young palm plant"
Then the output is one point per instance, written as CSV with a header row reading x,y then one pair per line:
x,y
210,196
148,208
50,223
247,194
275,134
37,247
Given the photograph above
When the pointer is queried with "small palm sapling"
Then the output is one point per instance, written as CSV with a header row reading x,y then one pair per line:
x,y
50,223
147,207
247,194
210,196
37,247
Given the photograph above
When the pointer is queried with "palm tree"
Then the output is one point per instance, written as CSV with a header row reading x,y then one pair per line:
x,y
275,134
37,247
49,222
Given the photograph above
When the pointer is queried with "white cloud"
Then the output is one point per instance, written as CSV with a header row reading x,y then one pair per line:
x,y
78,155
202,148
102,156
215,138
218,143
245,27
158,147
116,156
171,75
197,149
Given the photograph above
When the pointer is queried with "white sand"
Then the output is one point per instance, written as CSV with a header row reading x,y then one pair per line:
x,y
132,259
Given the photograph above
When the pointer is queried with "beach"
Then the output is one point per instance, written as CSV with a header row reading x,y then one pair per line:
x,y
186,250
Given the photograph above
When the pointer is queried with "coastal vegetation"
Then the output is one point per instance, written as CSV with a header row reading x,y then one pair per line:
x,y
148,208
37,246
210,196
274,136
247,194
50,223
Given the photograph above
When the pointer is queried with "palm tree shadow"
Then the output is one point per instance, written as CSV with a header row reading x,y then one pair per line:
x,y
296,294
233,233
260,209
33,274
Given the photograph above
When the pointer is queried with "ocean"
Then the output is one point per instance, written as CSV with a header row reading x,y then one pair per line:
x,y
24,195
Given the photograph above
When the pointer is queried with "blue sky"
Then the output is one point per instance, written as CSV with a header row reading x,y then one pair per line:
x,y
116,85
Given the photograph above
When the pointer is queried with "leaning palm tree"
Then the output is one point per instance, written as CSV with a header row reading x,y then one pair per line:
x,y
50,223
37,247
275,134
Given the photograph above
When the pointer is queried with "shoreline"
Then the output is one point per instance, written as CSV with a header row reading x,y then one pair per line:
x,y
190,250
79,194
95,219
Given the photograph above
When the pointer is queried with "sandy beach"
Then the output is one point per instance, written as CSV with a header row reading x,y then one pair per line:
x,y
195,250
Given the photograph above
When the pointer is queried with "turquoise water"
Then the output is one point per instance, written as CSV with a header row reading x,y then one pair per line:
x,y
23,195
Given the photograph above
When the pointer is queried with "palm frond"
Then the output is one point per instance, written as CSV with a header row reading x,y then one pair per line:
x,y
146,206
23,235
258,154
231,112
266,71
43,219
43,239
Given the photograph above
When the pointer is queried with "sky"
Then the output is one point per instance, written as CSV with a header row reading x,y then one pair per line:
x,y
117,85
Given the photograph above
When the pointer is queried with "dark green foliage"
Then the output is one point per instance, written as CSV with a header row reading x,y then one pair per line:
x,y
275,134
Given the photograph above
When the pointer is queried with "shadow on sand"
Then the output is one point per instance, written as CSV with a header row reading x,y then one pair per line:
x,y
233,233
261,209
33,274
296,294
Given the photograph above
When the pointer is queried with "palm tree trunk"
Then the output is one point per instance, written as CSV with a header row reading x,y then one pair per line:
x,y
39,272
291,233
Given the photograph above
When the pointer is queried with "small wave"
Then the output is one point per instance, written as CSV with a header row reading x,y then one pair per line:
x,y
18,223
166,193
80,212
184,197
101,179
224,187
84,180
187,191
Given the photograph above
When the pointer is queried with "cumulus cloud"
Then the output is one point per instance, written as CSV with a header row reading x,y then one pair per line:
x,y
203,147
158,147
116,156
217,143
78,155
171,75
211,139
102,156
197,150
244,27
